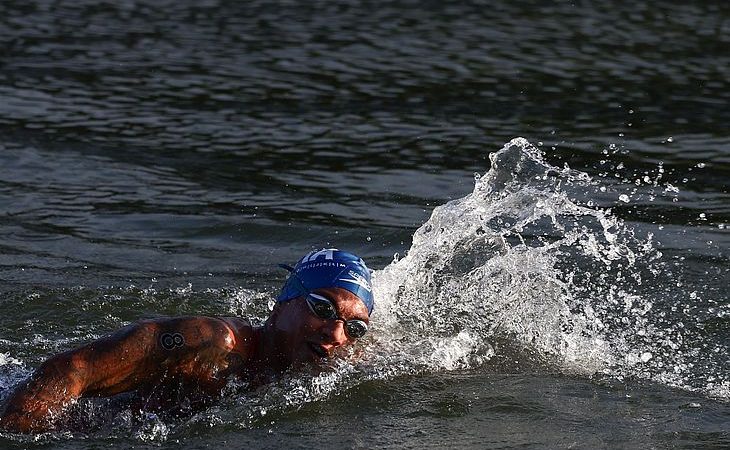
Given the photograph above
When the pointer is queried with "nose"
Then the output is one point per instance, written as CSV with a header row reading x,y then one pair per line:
x,y
334,334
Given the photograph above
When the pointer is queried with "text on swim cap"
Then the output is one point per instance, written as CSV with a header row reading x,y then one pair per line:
x,y
328,253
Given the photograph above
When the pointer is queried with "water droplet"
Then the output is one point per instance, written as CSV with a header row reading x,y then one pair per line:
x,y
368,238
703,216
701,165
624,198
670,139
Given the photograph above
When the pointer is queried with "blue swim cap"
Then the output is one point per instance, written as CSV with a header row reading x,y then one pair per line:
x,y
329,268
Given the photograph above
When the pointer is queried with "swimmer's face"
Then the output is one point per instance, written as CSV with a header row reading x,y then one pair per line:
x,y
303,337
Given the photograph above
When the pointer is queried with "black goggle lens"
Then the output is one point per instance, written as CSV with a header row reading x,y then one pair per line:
x,y
356,328
322,308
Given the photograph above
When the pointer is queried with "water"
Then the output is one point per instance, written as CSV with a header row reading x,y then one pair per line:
x,y
159,158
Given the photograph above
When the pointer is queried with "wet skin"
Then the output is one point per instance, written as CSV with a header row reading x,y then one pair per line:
x,y
158,359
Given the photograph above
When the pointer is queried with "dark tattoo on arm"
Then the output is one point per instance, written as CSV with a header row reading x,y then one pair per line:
x,y
170,341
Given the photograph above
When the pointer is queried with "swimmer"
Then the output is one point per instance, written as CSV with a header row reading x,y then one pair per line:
x,y
324,305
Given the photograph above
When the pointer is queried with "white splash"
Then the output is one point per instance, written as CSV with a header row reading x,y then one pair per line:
x,y
528,265
488,266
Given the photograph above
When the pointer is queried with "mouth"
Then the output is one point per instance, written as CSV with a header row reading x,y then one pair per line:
x,y
318,350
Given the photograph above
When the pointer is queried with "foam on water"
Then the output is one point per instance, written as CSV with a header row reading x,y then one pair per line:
x,y
487,267
524,260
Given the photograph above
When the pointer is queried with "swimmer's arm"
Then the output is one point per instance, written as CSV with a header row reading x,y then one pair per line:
x,y
99,366
131,358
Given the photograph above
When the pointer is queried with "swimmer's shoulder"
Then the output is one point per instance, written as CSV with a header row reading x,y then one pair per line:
x,y
194,332
238,325
243,333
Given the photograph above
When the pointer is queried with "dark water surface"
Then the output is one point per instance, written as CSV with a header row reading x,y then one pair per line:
x,y
160,157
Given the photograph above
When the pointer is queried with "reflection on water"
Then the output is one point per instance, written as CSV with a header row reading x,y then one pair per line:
x,y
343,83
121,118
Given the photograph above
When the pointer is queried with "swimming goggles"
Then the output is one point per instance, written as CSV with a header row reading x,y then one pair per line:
x,y
323,308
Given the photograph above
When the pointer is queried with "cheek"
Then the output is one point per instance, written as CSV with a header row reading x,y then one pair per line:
x,y
297,326
307,327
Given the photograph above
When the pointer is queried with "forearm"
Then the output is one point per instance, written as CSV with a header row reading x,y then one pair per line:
x,y
97,368
34,404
